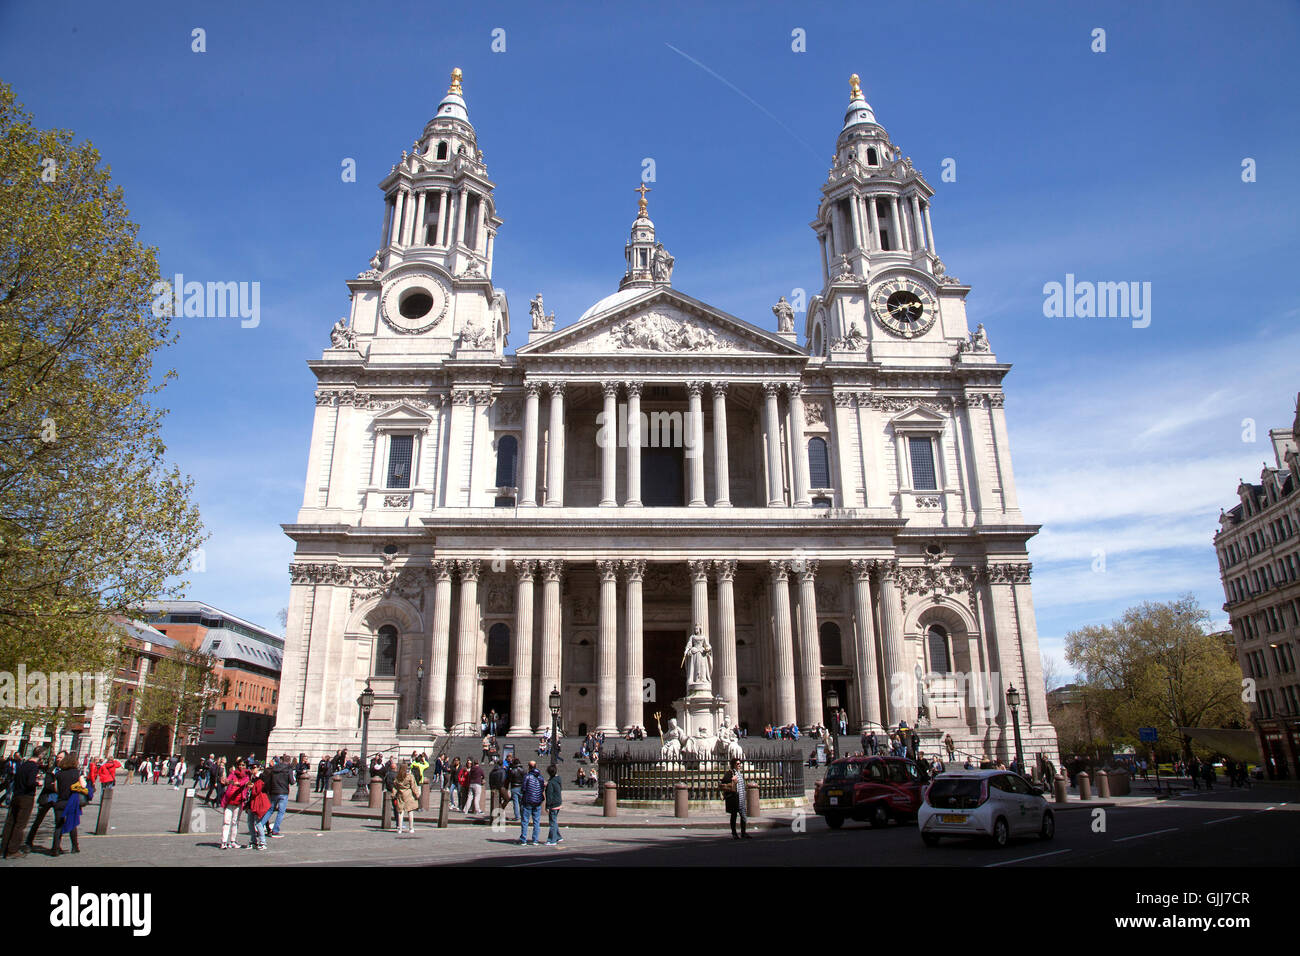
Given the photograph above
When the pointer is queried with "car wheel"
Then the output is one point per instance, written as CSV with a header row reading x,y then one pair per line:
x,y
1048,829
930,839
835,820
879,816
1001,832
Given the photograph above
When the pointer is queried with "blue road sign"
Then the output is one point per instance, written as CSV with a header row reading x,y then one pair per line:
x,y
1147,735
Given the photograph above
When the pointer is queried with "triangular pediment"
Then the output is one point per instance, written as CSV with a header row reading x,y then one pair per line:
x,y
917,415
660,321
402,414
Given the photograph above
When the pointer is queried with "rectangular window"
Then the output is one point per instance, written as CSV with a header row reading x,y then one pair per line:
x,y
399,461
922,452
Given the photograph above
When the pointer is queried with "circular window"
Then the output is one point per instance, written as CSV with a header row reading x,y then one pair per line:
x,y
934,550
582,692
416,304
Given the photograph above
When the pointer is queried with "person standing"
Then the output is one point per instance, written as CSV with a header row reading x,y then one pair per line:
x,y
453,783
554,800
20,806
71,787
532,793
474,778
733,796
515,779
406,797
107,778
279,780
232,803
258,806
48,795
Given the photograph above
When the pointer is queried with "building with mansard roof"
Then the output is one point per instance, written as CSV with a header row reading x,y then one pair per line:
x,y
836,509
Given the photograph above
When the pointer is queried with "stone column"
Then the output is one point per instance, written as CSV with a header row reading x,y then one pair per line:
x,y
555,459
465,697
864,647
461,203
631,679
857,223
399,219
608,433
895,229
528,453
700,596
417,234
521,688
549,670
435,702
721,471
905,215
775,486
607,650
919,223
782,642
724,649
798,452
929,229
873,222
633,444
810,656
891,624
695,443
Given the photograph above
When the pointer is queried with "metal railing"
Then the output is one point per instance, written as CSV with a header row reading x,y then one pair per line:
x,y
776,774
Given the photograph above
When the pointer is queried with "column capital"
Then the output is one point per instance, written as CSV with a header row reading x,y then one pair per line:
x,y
609,389
699,570
552,569
532,386
795,389
694,388
806,568
441,569
843,399
469,568
608,570
633,389
525,568
719,389
886,570
779,569
725,570
861,568
771,389
556,388
634,569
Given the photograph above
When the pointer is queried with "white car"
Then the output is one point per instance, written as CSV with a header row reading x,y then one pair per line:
x,y
994,804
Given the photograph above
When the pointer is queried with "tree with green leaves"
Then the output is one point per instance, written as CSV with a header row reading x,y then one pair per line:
x,y
1158,666
176,692
92,519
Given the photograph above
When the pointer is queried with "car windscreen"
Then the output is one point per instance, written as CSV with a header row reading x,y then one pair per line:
x,y
954,794
844,771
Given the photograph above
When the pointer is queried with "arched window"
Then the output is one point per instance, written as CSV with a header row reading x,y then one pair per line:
x,y
832,649
507,455
442,150
872,158
819,464
386,652
817,341
937,641
498,649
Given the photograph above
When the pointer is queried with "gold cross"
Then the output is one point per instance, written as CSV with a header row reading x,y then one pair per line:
x,y
642,190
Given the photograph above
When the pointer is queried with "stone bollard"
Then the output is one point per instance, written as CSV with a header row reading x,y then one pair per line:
x,y
1085,787
187,803
105,809
611,799
1103,785
304,794
327,809
336,784
443,810
386,817
424,796
753,805
681,800
1062,787
376,792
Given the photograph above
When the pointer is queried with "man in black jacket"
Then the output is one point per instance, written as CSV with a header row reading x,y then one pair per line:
x,y
277,788
515,780
49,793
20,807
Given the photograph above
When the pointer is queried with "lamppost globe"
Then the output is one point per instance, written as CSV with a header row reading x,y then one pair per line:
x,y
1013,701
366,701
1013,697
554,701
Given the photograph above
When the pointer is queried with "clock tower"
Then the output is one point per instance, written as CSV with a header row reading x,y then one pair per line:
x,y
886,293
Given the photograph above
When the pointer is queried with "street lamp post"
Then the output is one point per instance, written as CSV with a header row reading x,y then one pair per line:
x,y
833,705
366,701
1013,701
419,692
554,701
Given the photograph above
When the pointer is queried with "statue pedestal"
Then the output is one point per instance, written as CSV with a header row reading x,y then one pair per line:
x,y
699,708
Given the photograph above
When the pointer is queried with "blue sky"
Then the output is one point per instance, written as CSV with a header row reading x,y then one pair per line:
x,y
1115,166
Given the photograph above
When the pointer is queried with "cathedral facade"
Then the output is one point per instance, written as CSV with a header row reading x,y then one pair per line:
x,y
835,509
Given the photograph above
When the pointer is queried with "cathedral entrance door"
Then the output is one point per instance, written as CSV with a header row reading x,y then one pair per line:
x,y
496,696
661,662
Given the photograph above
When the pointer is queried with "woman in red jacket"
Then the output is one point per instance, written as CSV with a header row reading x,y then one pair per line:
x,y
258,805
232,802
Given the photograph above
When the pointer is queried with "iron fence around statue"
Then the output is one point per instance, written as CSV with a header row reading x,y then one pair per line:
x,y
776,774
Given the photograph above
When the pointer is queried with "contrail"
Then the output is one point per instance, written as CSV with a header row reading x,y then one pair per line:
x,y
722,79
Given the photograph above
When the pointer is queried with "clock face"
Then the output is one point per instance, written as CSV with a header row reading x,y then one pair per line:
x,y
904,307
414,303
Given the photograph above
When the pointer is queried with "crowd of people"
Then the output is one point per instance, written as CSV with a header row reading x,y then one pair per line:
x,y
44,784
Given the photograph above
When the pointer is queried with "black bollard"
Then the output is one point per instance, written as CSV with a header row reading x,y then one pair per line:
x,y
187,805
327,810
442,810
105,809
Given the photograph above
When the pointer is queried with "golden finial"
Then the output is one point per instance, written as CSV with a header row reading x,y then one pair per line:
x,y
855,86
455,82
642,189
